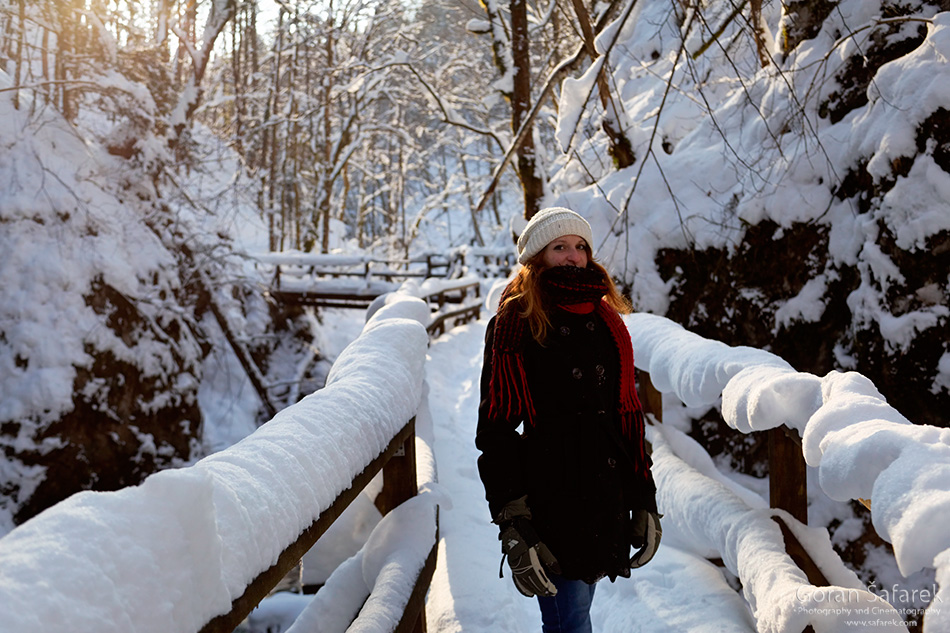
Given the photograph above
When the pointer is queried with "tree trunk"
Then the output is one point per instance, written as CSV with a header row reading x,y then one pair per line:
x,y
269,149
20,31
755,10
218,18
237,76
67,47
290,175
802,19
620,148
327,143
520,105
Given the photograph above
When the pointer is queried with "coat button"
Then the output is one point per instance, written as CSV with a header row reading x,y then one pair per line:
x,y
564,330
590,326
577,373
611,462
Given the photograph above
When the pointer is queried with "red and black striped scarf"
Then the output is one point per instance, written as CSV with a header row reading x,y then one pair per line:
x,y
579,290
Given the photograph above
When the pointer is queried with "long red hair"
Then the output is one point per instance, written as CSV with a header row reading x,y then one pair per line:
x,y
525,295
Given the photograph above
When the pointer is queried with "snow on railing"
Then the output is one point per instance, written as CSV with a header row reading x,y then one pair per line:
x,y
296,263
441,295
350,281
483,261
862,448
173,553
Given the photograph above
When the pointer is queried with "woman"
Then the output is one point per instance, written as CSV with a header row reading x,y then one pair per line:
x,y
573,490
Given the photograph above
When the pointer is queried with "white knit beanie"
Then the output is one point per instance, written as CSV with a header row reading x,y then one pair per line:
x,y
547,225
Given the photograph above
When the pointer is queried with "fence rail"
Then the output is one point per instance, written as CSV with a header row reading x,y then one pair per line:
x,y
354,281
397,462
787,483
788,486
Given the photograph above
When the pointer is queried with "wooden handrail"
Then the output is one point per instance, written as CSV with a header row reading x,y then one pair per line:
x,y
650,397
402,444
463,315
787,491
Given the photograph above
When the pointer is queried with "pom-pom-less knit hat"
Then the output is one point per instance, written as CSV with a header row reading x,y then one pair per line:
x,y
550,224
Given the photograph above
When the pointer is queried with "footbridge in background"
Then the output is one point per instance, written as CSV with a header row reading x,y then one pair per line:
x,y
448,282
354,281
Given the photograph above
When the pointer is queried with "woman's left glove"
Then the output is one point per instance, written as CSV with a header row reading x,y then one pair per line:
x,y
645,534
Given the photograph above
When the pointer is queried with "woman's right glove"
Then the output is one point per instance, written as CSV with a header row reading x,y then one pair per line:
x,y
645,534
528,557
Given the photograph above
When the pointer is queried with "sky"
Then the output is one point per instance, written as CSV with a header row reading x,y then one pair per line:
x,y
213,525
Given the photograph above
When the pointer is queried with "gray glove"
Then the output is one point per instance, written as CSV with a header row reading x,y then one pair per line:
x,y
645,534
529,558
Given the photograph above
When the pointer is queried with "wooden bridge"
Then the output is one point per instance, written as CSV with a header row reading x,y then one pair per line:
x,y
312,428
447,282
354,281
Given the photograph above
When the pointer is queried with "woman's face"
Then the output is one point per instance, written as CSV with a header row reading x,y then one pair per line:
x,y
570,250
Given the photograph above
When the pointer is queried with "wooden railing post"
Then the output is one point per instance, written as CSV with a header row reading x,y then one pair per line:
x,y
650,397
787,485
788,490
399,474
400,484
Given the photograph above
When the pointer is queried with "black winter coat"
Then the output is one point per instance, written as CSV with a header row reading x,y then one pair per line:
x,y
579,483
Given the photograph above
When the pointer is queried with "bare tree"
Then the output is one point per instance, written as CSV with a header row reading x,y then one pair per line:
x,y
531,180
620,148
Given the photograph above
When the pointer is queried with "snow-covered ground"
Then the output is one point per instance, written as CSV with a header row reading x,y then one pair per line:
x,y
677,591
709,514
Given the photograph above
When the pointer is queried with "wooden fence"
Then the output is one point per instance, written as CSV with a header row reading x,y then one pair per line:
x,y
354,281
398,465
465,295
788,488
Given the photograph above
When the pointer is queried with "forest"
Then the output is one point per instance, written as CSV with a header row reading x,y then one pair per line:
x,y
769,174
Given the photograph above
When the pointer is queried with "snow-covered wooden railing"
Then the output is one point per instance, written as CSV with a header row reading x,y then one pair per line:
x,y
354,281
443,295
484,261
181,550
862,448
346,281
361,265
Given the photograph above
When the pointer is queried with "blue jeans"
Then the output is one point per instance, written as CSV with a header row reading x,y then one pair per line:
x,y
569,610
